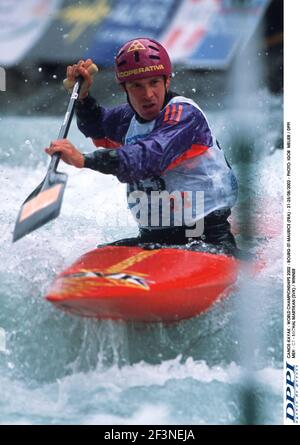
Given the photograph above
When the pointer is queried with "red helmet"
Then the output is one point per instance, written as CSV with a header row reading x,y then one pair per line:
x,y
142,57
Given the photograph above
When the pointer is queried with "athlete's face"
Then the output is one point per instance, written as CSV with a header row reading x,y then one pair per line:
x,y
147,95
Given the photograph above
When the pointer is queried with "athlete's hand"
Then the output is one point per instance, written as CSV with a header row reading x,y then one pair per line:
x,y
69,153
86,69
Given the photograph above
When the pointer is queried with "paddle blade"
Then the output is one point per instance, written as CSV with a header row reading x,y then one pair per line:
x,y
41,206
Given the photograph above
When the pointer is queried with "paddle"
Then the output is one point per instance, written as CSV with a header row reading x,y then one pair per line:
x,y
44,203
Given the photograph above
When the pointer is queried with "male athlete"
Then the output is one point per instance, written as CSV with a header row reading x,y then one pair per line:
x,y
160,144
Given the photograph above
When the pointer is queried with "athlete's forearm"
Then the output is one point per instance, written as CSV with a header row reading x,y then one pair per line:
x,y
104,161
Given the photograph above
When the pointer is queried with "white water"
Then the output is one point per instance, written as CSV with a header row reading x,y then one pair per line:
x,y
65,370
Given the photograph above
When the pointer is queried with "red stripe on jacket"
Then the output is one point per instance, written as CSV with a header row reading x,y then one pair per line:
x,y
167,113
177,118
106,143
175,115
192,152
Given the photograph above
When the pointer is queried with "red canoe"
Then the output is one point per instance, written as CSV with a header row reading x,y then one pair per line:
x,y
134,284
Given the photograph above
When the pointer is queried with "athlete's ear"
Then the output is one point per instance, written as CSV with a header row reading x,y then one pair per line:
x,y
168,81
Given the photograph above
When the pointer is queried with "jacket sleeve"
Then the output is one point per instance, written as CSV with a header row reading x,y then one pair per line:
x,y
171,137
98,122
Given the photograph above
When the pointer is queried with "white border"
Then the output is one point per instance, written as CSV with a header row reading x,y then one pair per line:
x,y
291,115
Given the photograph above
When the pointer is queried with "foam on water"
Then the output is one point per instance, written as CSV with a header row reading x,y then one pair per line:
x,y
170,393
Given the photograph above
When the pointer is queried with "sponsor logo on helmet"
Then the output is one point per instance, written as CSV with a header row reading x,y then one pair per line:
x,y
141,70
135,46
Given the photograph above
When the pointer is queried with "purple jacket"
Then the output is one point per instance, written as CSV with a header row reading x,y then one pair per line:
x,y
175,130
174,153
